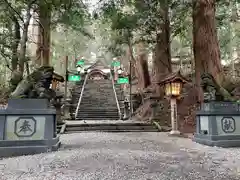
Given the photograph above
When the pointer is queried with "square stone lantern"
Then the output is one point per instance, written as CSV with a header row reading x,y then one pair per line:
x,y
173,85
55,80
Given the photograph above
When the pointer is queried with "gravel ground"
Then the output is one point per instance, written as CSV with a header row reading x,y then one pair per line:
x,y
125,156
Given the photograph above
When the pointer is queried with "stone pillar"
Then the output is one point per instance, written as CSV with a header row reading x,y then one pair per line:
x,y
126,109
154,107
174,120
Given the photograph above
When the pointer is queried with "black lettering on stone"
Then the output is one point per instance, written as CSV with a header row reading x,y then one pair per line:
x,y
228,124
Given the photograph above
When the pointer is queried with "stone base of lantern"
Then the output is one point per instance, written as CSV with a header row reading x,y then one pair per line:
x,y
175,132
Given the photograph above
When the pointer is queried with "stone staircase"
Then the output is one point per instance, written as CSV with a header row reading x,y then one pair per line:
x,y
98,101
98,110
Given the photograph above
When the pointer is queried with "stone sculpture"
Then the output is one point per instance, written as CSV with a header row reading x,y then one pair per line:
x,y
36,85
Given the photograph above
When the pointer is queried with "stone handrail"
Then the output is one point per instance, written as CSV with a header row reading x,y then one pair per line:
x,y
80,98
114,90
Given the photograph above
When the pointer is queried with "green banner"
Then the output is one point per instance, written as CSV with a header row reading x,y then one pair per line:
x,y
123,80
80,62
116,63
74,78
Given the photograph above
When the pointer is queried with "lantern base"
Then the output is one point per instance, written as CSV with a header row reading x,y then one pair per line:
x,y
175,132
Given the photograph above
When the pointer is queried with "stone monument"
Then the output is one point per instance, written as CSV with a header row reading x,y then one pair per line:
x,y
27,126
218,124
218,120
29,123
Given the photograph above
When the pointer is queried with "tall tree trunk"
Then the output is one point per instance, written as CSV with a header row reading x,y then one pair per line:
x,y
15,44
23,41
132,60
15,77
162,55
44,31
205,42
38,54
142,66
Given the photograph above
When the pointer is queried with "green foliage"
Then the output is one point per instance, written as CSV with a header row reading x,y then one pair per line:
x,y
69,14
73,15
142,18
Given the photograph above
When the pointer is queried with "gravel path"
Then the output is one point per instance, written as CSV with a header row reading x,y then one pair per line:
x,y
125,156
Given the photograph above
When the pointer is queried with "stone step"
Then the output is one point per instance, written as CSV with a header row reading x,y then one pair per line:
x,y
99,85
100,80
98,101
98,113
97,118
90,101
108,109
95,99
83,114
116,117
106,84
112,131
97,109
112,123
111,127
106,127
97,88
107,113
101,106
100,96
98,104
95,93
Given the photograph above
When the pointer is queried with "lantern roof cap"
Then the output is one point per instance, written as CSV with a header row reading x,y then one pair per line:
x,y
58,77
173,77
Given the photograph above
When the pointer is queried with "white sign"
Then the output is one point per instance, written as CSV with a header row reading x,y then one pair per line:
x,y
204,123
25,127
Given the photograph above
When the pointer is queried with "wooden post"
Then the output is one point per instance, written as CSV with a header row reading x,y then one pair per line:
x,y
54,84
130,88
66,82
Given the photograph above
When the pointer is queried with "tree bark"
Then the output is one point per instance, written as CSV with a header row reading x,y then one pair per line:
x,y
44,30
15,44
132,60
142,67
15,79
205,42
23,41
38,53
162,55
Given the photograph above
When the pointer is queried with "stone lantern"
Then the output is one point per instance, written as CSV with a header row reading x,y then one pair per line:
x,y
173,85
